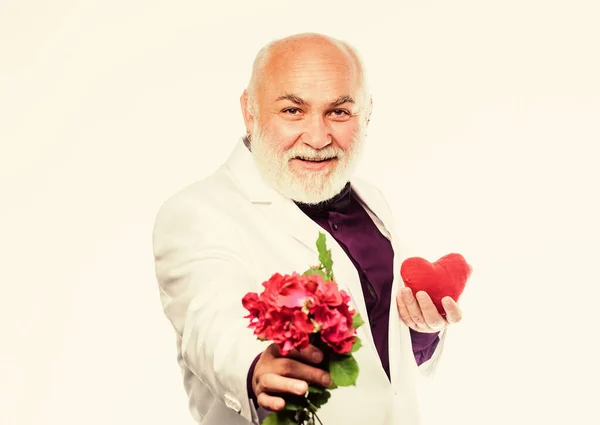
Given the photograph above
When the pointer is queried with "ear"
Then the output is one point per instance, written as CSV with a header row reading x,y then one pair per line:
x,y
246,112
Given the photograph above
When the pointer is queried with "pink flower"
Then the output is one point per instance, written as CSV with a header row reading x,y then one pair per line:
x,y
328,293
339,337
335,326
277,313
257,313
289,291
291,331
289,307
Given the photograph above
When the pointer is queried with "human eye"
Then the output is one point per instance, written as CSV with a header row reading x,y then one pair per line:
x,y
340,112
292,111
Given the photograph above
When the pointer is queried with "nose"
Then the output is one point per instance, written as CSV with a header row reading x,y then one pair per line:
x,y
316,134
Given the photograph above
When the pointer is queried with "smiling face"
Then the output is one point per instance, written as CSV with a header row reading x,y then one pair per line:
x,y
308,118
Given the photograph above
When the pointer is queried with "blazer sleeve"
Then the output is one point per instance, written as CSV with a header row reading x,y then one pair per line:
x,y
203,273
429,368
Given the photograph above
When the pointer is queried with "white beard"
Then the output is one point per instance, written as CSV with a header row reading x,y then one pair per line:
x,y
305,186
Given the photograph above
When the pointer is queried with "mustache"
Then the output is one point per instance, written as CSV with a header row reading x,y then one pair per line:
x,y
315,155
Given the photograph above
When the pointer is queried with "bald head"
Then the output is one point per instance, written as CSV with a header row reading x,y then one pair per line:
x,y
297,51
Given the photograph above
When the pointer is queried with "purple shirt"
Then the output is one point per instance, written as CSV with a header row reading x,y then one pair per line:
x,y
371,253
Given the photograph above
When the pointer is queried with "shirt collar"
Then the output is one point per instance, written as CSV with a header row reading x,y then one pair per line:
x,y
339,203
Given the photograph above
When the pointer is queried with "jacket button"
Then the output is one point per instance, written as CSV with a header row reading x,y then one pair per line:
x,y
233,404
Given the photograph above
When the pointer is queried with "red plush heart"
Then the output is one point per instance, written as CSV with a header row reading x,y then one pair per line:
x,y
446,277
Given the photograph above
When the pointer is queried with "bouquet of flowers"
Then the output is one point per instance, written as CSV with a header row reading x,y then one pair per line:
x,y
295,310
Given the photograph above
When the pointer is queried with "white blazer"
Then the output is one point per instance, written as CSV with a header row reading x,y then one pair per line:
x,y
220,238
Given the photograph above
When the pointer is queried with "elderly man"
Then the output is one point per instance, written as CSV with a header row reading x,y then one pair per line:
x,y
306,110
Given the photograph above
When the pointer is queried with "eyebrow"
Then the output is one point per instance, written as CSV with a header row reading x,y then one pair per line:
x,y
341,100
299,101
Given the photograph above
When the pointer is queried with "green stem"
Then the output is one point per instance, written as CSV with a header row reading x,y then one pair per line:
x,y
314,411
315,415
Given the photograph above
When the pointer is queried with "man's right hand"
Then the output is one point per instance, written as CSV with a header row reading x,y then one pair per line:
x,y
292,374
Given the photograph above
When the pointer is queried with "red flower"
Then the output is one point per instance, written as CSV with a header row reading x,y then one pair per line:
x,y
289,328
289,291
257,313
279,313
328,293
289,307
335,327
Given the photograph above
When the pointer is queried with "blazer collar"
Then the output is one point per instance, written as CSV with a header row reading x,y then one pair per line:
x,y
241,165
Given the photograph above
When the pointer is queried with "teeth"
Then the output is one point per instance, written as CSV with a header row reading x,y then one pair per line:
x,y
314,159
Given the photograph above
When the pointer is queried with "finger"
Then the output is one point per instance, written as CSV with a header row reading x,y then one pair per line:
x,y
294,369
453,310
413,308
272,351
273,383
403,311
432,316
309,354
270,402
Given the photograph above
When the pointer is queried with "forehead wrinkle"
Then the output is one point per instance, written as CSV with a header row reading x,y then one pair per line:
x,y
295,85
295,64
299,68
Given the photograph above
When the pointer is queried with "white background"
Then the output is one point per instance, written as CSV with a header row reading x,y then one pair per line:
x,y
484,137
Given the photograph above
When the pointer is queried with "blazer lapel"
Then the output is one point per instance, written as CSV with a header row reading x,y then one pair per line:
x,y
282,212
373,201
399,341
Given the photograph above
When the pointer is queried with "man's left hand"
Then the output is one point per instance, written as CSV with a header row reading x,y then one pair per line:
x,y
420,314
